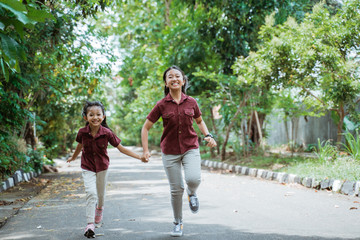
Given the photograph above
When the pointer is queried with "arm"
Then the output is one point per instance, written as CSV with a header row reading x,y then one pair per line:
x,y
144,138
130,153
76,153
204,130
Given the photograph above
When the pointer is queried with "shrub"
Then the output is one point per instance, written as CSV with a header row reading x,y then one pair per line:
x,y
352,145
326,151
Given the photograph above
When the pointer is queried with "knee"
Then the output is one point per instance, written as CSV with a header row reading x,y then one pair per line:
x,y
177,189
91,194
193,182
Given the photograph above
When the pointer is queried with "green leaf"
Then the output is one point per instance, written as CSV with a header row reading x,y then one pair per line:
x,y
13,5
9,46
19,14
5,72
2,26
349,125
39,15
19,26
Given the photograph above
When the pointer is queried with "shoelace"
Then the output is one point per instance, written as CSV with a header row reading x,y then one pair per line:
x,y
177,227
193,201
98,212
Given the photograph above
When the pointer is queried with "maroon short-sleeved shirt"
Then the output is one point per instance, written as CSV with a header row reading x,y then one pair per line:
x,y
179,135
94,155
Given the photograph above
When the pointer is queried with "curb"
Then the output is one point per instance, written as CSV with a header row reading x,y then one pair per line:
x,y
351,188
19,176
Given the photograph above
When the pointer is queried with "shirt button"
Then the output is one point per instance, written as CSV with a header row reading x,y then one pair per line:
x,y
179,131
94,154
179,122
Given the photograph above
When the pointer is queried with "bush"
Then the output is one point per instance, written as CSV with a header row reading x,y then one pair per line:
x,y
352,145
15,155
326,151
35,159
12,155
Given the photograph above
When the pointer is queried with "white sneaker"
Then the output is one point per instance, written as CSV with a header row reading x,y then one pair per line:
x,y
178,230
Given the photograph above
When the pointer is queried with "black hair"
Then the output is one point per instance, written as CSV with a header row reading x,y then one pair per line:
x,y
184,88
88,105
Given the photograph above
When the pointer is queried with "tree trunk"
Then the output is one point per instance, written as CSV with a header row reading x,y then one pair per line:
x,y
223,149
341,113
216,132
254,127
167,13
243,137
259,130
286,131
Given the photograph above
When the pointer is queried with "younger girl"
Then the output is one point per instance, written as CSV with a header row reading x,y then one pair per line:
x,y
92,141
179,141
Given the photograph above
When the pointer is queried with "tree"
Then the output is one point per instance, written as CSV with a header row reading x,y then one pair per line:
x,y
312,58
205,37
47,72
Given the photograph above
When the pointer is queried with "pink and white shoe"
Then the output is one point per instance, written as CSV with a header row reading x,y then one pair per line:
x,y
98,215
90,231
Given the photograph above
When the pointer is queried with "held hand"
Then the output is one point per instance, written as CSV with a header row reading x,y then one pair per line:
x,y
211,142
70,159
145,157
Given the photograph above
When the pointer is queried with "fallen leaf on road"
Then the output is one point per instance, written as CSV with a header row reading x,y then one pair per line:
x,y
235,211
5,203
131,220
27,209
356,202
336,206
353,208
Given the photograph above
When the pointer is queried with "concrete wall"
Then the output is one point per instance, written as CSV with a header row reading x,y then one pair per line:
x,y
308,131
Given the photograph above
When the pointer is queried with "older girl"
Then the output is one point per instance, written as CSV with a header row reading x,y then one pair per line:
x,y
179,141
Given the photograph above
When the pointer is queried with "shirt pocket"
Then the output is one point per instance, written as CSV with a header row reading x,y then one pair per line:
x,y
189,115
168,117
102,143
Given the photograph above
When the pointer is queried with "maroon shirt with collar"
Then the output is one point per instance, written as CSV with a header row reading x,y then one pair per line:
x,y
94,155
179,135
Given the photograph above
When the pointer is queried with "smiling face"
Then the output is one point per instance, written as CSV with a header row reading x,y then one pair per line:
x,y
174,80
94,116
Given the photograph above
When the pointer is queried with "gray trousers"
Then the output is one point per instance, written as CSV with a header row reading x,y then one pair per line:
x,y
95,185
191,163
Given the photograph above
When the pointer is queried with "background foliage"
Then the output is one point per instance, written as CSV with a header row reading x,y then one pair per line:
x,y
244,59
47,72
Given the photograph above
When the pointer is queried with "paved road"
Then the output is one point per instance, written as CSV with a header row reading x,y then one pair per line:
x,y
138,207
